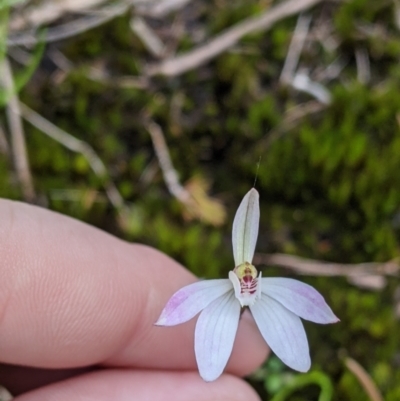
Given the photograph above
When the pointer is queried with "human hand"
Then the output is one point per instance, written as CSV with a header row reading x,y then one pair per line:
x,y
77,308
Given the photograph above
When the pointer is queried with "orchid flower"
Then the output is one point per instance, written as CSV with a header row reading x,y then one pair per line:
x,y
277,304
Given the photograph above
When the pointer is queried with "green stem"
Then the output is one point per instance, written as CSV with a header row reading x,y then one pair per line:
x,y
317,378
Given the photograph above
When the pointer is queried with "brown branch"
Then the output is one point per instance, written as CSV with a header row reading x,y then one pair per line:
x,y
319,268
202,54
18,145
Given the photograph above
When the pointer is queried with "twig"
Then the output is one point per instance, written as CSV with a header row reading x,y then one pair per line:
x,y
229,38
18,145
78,146
164,159
163,7
363,65
319,268
364,378
295,48
148,37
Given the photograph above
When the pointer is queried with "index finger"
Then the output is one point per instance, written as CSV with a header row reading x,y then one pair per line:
x,y
72,295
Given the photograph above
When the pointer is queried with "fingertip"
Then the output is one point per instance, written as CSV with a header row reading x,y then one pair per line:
x,y
125,385
250,349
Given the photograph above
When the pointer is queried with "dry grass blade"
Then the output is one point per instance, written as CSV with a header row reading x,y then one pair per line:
x,y
18,145
69,29
364,378
197,204
295,48
79,146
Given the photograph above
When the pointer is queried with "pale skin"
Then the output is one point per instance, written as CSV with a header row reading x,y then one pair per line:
x,y
79,304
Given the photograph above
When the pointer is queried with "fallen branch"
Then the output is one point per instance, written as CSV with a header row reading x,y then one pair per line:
x,y
202,54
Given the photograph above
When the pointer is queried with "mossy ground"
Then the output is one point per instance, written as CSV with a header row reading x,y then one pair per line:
x,y
329,182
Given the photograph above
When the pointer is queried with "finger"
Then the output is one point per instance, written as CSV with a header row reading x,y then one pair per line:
x,y
142,386
72,295
20,379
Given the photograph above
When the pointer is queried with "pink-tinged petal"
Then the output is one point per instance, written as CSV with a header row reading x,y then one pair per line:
x,y
190,300
245,228
299,298
283,331
215,334
245,295
236,284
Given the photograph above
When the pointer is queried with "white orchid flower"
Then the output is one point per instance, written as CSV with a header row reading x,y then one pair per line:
x,y
277,304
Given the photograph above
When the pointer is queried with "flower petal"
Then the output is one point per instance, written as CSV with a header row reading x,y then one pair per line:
x,y
245,228
215,334
190,300
300,298
283,331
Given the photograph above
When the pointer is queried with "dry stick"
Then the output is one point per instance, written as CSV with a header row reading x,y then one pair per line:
x,y
295,48
363,65
78,146
364,379
319,268
18,145
229,38
164,159
148,37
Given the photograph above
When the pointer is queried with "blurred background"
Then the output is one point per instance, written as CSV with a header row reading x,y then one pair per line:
x,y
152,119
